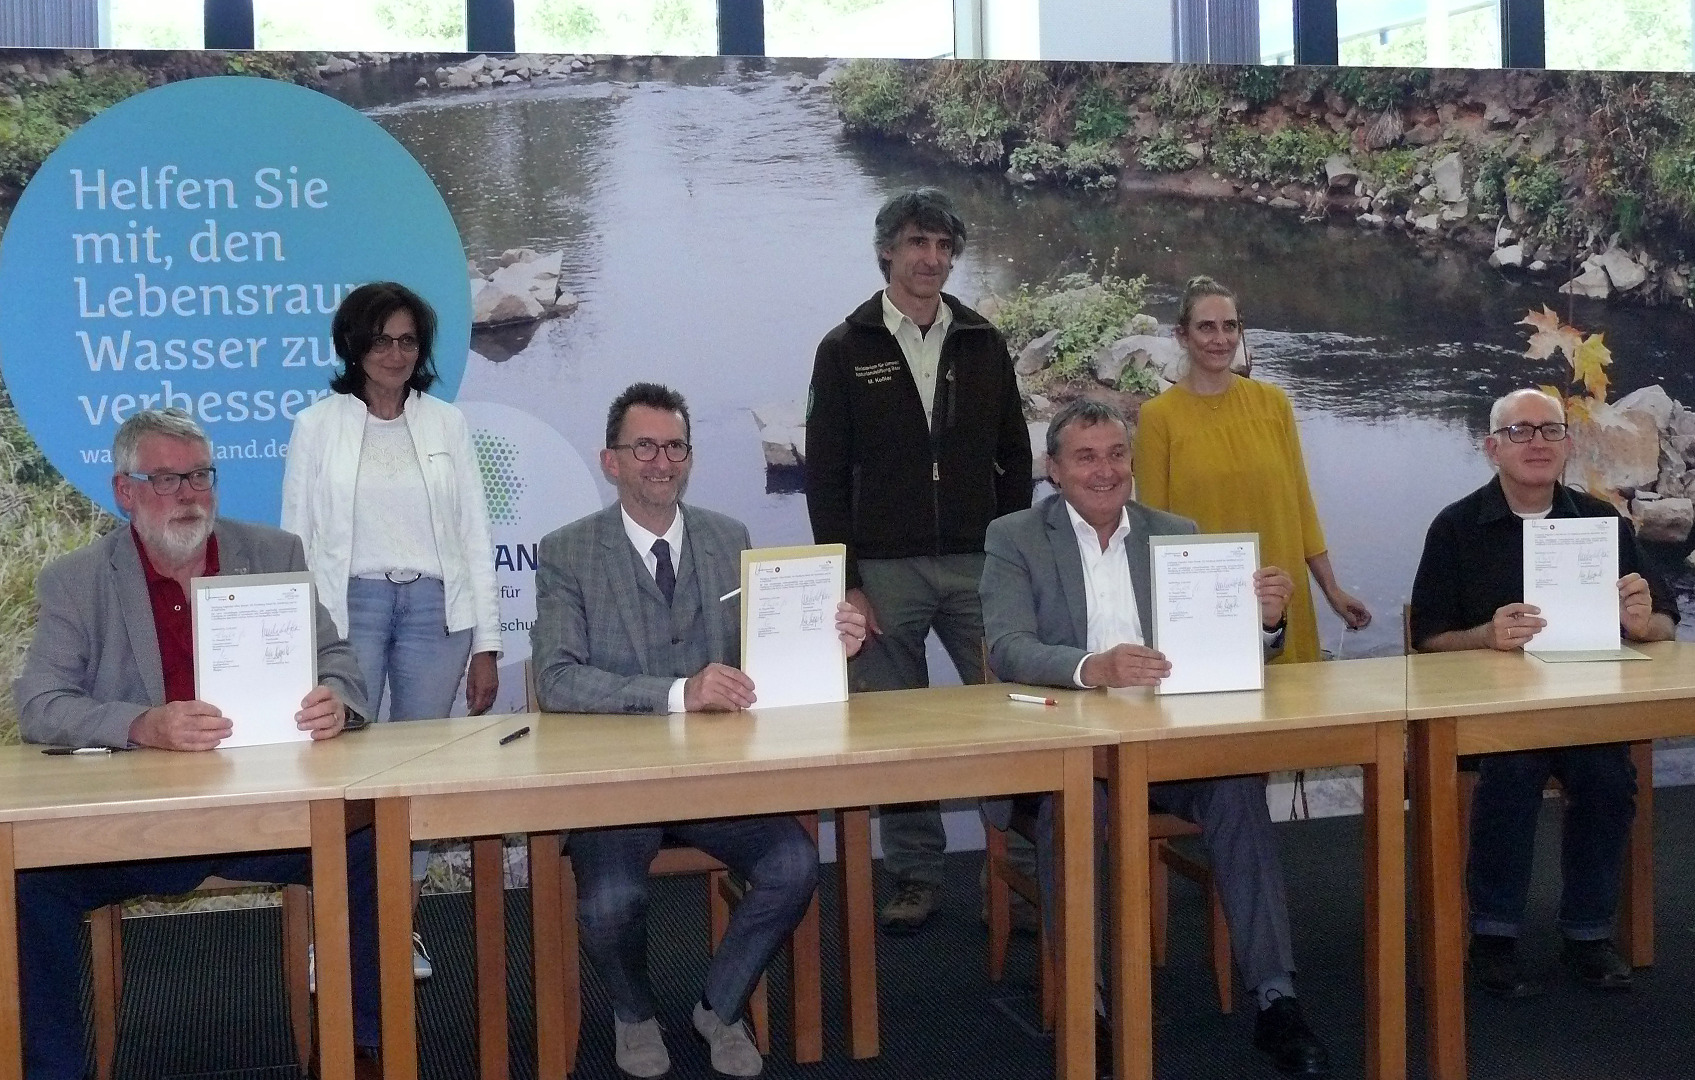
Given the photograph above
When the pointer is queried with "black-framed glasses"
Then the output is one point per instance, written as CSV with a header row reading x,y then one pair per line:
x,y
167,483
1523,433
647,449
383,343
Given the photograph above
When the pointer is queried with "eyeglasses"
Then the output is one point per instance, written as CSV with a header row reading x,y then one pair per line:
x,y
383,343
167,483
648,450
1523,433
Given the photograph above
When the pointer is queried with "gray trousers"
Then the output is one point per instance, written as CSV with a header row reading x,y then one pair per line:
x,y
911,597
774,855
1236,829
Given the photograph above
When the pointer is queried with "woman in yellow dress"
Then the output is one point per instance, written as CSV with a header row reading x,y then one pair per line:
x,y
1223,450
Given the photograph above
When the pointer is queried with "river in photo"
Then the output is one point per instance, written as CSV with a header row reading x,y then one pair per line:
x,y
716,222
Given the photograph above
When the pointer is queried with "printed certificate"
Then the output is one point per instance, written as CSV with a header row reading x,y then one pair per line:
x,y
1206,617
256,652
790,648
1571,573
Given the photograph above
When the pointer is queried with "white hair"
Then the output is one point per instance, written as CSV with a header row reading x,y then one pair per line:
x,y
1498,410
174,423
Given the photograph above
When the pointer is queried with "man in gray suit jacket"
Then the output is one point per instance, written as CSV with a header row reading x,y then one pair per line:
x,y
629,620
1066,603
112,664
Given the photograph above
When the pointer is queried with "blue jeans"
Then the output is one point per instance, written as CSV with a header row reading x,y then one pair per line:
x,y
774,855
53,903
399,633
1600,791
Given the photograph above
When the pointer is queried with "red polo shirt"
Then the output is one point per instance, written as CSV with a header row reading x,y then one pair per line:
x,y
173,621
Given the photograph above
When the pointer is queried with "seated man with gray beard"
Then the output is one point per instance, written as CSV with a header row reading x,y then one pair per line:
x,y
112,664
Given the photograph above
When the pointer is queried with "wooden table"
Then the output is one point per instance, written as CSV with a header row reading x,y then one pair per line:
x,y
154,804
581,771
1349,712
1485,702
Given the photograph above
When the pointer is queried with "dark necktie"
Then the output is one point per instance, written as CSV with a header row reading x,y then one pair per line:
x,y
663,572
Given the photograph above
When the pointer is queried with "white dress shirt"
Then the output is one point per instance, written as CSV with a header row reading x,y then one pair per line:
x,y
643,542
1114,618
923,351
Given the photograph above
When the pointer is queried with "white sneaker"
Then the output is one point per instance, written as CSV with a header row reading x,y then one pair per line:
x,y
734,1053
640,1049
421,966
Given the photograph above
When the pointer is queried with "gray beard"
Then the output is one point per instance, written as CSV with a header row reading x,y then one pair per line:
x,y
177,541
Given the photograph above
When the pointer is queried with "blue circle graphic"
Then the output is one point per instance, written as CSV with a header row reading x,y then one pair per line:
x,y
187,247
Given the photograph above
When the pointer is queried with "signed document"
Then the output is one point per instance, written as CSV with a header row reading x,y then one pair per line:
x,y
1206,617
256,652
1571,573
789,645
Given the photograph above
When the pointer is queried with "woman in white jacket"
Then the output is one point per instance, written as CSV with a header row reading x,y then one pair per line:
x,y
383,488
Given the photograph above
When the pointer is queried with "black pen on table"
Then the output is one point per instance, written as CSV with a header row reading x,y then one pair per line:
x,y
515,736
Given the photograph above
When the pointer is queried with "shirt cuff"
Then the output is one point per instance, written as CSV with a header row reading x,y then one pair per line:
x,y
1077,676
674,701
1273,638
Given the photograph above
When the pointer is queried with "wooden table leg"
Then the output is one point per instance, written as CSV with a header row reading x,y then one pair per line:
x,y
547,931
1441,920
1132,957
329,921
1636,897
394,938
859,933
1385,907
11,1038
488,905
1074,888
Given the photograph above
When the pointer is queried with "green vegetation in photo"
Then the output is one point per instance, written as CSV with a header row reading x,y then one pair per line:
x,y
1166,153
36,116
1088,314
1100,115
1258,85
42,517
1188,92
875,95
1293,154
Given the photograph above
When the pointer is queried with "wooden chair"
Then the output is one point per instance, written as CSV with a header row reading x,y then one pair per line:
x,y
105,935
1004,879
1634,927
556,956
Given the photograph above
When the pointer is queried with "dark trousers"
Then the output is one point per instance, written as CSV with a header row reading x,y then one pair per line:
x,y
1600,792
1236,831
53,903
774,855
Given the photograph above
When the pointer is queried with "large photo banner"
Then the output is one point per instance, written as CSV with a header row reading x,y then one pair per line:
x,y
1406,246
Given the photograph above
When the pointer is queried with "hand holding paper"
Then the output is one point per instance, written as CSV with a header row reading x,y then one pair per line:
x,y
181,725
1513,626
1635,607
717,688
1273,587
850,626
1126,665
322,713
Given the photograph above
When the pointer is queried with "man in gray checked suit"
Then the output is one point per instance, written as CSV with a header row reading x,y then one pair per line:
x,y
1066,603
629,620
112,664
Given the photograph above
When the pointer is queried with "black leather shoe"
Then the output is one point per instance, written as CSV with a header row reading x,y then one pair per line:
x,y
1495,968
1282,1033
1597,964
1103,1048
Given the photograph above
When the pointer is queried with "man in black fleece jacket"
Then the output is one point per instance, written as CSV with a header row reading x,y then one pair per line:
x,y
915,441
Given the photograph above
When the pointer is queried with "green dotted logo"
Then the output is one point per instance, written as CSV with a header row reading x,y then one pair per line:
x,y
497,460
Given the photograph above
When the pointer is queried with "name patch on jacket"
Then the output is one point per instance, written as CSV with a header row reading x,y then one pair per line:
x,y
881,372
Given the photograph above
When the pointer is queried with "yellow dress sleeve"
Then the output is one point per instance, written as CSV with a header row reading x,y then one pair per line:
x,y
1150,459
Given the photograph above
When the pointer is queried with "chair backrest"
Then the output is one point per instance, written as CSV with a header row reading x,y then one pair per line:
x,y
1406,629
530,700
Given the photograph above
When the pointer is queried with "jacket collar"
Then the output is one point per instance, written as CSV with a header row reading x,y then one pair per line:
x,y
869,315
1492,506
